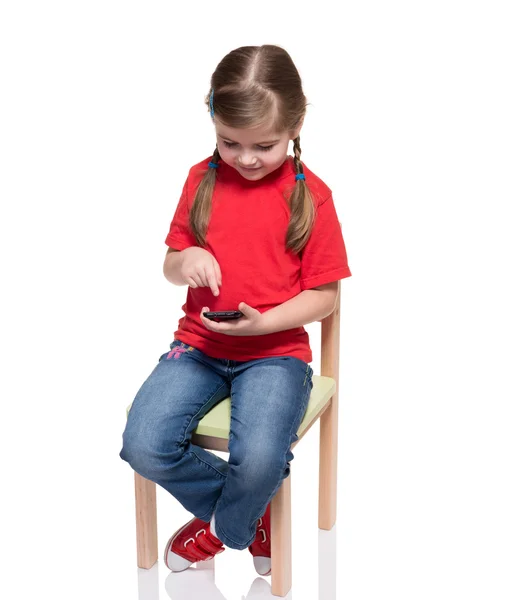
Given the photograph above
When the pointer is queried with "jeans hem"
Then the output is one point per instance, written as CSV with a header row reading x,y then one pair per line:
x,y
207,517
227,541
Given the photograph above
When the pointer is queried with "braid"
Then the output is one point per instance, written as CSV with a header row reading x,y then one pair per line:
x,y
199,215
302,211
297,152
215,157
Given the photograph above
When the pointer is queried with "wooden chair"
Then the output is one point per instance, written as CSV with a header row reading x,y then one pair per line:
x,y
213,433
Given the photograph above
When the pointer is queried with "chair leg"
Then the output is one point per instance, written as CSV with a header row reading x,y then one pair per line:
x,y
328,466
146,521
281,539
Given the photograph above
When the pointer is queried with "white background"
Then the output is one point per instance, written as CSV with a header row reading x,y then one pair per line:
x,y
102,114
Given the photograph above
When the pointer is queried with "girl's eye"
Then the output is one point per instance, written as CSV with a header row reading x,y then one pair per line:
x,y
263,148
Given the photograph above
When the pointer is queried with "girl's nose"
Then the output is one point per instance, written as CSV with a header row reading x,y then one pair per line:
x,y
247,161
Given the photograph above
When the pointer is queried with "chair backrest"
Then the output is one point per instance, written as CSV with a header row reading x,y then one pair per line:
x,y
329,364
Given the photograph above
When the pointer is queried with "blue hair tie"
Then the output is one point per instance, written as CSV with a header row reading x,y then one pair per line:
x,y
211,104
213,165
300,176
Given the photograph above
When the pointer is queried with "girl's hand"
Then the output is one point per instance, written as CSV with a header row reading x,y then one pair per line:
x,y
200,269
250,324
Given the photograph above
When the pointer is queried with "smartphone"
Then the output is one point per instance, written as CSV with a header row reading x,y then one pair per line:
x,y
223,315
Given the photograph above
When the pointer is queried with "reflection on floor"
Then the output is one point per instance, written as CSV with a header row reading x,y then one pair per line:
x,y
198,582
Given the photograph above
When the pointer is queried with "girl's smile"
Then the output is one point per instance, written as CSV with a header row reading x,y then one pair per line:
x,y
250,169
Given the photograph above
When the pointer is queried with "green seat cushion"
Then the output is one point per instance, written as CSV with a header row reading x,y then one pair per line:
x,y
216,422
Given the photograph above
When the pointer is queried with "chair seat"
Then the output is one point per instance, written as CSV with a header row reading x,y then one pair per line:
x,y
216,423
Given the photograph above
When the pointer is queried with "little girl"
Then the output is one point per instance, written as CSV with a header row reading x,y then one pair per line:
x,y
254,230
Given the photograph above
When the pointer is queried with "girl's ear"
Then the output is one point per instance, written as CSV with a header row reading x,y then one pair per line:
x,y
296,132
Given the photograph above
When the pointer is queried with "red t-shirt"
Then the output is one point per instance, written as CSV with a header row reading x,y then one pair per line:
x,y
246,235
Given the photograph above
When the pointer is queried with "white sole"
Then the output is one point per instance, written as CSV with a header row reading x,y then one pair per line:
x,y
261,565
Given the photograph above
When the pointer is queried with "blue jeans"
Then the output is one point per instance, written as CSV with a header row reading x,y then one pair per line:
x,y
269,397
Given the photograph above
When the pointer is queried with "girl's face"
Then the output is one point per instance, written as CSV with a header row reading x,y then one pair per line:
x,y
254,153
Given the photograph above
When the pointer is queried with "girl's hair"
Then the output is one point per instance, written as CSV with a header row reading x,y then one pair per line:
x,y
255,86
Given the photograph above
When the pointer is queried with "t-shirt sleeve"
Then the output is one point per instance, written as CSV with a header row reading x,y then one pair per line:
x,y
323,258
180,236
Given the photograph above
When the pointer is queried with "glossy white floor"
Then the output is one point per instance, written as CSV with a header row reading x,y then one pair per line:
x,y
214,581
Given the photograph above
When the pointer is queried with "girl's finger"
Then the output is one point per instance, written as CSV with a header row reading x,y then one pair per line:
x,y
219,278
211,279
207,322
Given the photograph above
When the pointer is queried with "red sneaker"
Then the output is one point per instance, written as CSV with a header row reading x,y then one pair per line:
x,y
191,543
260,548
